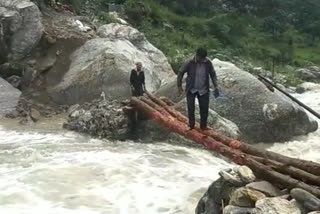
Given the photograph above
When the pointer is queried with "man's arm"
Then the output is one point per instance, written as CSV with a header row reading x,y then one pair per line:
x,y
182,71
143,81
131,79
213,76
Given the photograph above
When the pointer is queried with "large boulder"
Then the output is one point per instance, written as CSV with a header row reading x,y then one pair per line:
x,y
104,64
311,74
9,97
21,28
260,114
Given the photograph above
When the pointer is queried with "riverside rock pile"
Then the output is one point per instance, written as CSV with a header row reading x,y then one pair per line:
x,y
100,118
238,191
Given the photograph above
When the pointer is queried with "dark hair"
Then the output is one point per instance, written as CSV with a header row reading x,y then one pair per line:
x,y
202,52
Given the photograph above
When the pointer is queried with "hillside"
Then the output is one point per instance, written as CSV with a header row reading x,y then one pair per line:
x,y
280,34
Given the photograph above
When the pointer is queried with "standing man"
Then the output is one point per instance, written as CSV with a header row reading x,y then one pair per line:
x,y
199,70
137,81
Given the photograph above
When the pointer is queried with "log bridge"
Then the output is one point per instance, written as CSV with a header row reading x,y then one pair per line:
x,y
285,171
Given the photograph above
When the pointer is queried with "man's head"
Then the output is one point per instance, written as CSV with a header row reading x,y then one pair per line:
x,y
201,54
138,66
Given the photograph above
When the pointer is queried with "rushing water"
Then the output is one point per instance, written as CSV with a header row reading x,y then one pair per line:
x,y
44,169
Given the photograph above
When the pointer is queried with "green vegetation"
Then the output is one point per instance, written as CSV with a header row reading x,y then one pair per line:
x,y
269,33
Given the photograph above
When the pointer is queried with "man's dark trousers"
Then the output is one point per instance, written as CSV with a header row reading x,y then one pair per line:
x,y
204,108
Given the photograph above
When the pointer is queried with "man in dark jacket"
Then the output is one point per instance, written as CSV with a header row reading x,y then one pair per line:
x,y
199,70
137,81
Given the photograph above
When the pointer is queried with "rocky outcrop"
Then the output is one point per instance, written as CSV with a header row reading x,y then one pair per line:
x,y
9,97
104,65
310,74
260,114
21,28
99,118
258,197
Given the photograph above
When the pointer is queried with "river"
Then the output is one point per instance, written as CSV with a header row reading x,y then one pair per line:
x,y
44,169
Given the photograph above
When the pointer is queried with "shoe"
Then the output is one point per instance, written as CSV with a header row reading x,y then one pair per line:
x,y
204,128
191,128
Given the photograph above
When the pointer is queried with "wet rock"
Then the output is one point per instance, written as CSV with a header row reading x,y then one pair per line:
x,y
99,119
307,86
265,187
238,210
276,206
15,81
9,97
309,201
245,197
261,115
311,74
35,114
246,174
21,28
231,177
211,202
300,206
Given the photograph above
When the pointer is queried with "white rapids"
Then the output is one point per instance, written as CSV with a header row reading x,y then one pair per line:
x,y
53,171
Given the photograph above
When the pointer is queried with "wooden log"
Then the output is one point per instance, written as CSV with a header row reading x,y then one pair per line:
x,y
290,170
309,166
234,155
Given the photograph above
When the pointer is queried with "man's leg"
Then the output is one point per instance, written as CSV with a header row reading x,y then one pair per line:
x,y
191,102
204,109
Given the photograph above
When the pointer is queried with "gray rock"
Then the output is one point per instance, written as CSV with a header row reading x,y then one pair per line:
x,y
21,27
276,206
238,210
104,65
9,97
310,74
35,114
232,178
245,197
14,81
307,86
309,201
300,206
246,174
260,114
215,121
265,187
211,202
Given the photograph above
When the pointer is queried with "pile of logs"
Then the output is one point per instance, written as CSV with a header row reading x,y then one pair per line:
x,y
286,171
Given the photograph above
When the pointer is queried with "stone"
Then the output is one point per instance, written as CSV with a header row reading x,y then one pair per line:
x,y
309,201
238,210
215,121
35,114
265,187
246,174
211,203
260,114
9,97
104,65
234,179
98,119
310,74
21,27
14,81
300,206
316,212
307,86
245,197
276,206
